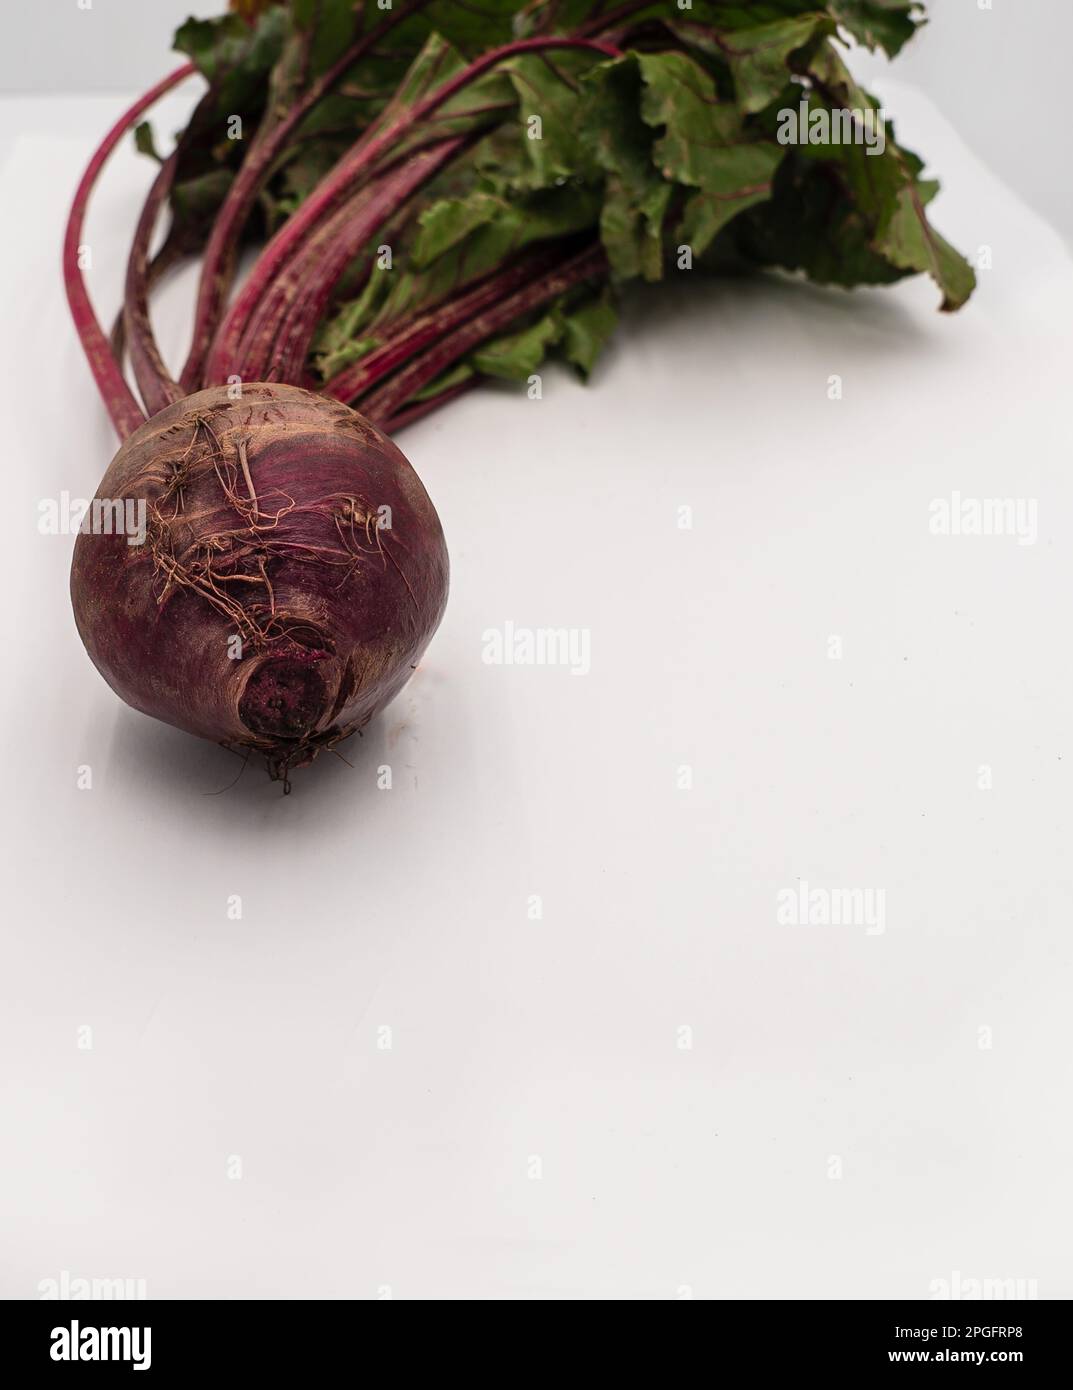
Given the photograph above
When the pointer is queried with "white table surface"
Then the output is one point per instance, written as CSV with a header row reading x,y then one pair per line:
x,y
663,1171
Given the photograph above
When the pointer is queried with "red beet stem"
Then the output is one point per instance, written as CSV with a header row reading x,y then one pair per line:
x,y
414,335
312,275
416,412
386,402
325,271
166,259
154,382
217,269
125,412
336,186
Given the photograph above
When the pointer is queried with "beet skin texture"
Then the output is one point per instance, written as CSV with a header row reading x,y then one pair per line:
x,y
292,571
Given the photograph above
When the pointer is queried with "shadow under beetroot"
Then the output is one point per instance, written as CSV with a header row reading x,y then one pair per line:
x,y
145,751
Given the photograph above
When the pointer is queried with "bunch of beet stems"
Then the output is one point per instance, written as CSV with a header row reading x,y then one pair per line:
x,y
266,332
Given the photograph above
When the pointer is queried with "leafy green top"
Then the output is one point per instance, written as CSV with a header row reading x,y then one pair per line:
x,y
724,136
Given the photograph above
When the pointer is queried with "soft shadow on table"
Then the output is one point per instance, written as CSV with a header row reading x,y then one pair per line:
x,y
877,313
148,753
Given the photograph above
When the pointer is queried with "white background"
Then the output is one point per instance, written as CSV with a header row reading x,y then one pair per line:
x,y
513,1039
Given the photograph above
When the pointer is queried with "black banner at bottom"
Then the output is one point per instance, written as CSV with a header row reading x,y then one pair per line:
x,y
174,1339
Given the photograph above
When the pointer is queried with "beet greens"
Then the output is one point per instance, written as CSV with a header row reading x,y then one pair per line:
x,y
473,141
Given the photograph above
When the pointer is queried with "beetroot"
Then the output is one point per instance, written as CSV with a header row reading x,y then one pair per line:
x,y
441,199
292,572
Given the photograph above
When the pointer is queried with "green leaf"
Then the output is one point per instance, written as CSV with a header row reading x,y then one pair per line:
x,y
144,142
886,24
811,224
548,101
472,26
236,58
886,188
620,142
612,127
330,27
746,14
435,63
516,356
706,214
447,222
631,228
197,200
758,58
212,44
534,217
702,143
587,330
706,143
825,66
578,329
909,242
